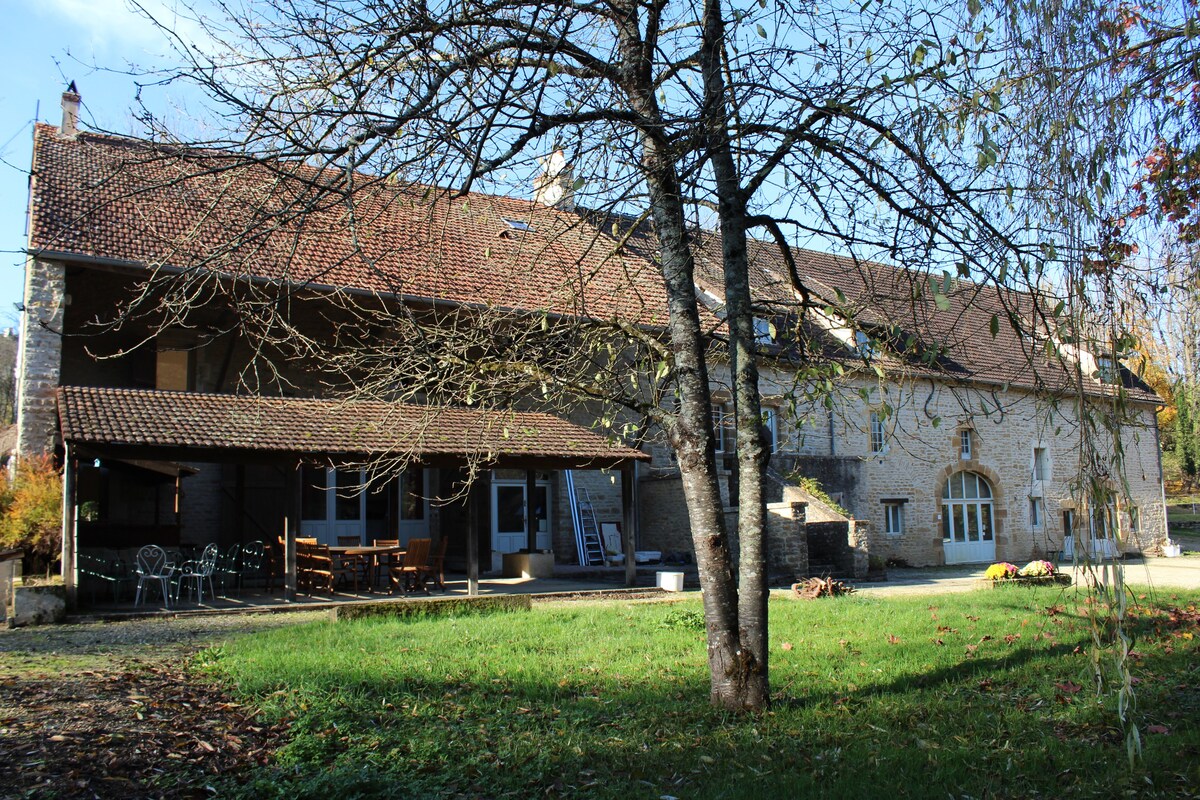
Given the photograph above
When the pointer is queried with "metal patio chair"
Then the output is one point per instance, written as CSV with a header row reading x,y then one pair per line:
x,y
195,573
229,568
154,568
254,560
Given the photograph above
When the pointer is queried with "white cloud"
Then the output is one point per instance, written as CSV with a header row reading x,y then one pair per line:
x,y
118,25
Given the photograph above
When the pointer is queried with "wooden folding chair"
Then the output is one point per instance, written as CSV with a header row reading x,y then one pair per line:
x,y
351,567
412,573
314,567
383,563
435,570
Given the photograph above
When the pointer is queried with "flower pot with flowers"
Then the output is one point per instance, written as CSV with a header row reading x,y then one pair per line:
x,y
1035,572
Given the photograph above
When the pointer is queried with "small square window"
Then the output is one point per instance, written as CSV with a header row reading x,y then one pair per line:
x,y
893,518
878,433
1037,512
965,441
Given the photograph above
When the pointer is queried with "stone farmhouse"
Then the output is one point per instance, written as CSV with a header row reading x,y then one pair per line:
x,y
176,427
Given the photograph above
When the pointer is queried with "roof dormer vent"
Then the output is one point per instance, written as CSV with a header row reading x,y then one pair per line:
x,y
70,113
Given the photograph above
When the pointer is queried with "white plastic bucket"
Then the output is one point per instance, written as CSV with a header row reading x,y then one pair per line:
x,y
670,581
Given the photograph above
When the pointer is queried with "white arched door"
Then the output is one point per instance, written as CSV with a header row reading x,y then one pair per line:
x,y
968,519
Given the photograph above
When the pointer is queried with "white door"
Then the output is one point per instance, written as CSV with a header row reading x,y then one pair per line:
x,y
508,517
968,522
339,503
412,517
314,504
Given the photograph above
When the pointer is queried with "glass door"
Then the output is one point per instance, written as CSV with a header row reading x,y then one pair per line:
x,y
508,517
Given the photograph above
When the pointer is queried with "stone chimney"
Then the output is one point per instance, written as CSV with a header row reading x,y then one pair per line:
x,y
70,113
555,186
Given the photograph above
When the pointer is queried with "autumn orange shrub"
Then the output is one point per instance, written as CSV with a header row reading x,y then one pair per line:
x,y
31,512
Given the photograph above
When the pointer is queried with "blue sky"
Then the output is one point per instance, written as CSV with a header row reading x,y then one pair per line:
x,y
46,44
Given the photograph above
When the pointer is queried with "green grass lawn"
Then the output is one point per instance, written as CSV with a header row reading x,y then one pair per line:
x,y
982,694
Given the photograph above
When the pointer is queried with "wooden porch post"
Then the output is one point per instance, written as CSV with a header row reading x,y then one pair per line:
x,y
70,572
472,540
530,510
291,524
629,522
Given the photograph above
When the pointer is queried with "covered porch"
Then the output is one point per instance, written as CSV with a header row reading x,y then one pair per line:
x,y
165,436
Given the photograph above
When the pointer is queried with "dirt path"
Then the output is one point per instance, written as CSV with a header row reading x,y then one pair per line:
x,y
113,710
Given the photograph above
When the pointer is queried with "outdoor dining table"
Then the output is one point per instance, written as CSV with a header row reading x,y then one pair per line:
x,y
373,552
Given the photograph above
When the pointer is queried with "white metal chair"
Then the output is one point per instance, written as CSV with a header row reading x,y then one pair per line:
x,y
153,567
254,558
229,567
195,573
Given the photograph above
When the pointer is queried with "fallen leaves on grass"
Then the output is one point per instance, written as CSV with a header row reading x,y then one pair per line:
x,y
155,727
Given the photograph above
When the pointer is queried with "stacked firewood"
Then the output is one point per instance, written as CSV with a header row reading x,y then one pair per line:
x,y
812,588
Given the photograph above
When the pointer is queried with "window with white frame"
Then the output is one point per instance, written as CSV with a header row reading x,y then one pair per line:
x,y
722,428
1037,512
864,346
893,517
770,418
965,443
762,331
1068,522
878,433
1041,464
1102,520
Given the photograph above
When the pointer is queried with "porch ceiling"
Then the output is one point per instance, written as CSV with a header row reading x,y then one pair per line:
x,y
208,427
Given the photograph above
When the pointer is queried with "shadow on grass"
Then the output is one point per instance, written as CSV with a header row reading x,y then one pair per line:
x,y
920,733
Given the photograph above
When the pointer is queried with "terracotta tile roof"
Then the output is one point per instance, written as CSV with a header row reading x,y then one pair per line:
x,y
882,297
113,198
302,426
125,199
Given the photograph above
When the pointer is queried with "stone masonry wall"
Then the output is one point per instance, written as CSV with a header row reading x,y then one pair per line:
x,y
40,356
920,457
787,540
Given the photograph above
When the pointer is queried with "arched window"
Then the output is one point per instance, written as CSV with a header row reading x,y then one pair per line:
x,y
967,509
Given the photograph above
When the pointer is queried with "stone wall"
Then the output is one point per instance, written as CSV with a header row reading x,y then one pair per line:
x,y
787,540
920,457
40,356
665,526
664,518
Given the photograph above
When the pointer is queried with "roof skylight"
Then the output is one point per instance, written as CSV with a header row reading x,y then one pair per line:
x,y
518,225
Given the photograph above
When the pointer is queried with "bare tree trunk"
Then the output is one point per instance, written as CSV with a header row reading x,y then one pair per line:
x,y
752,456
691,433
